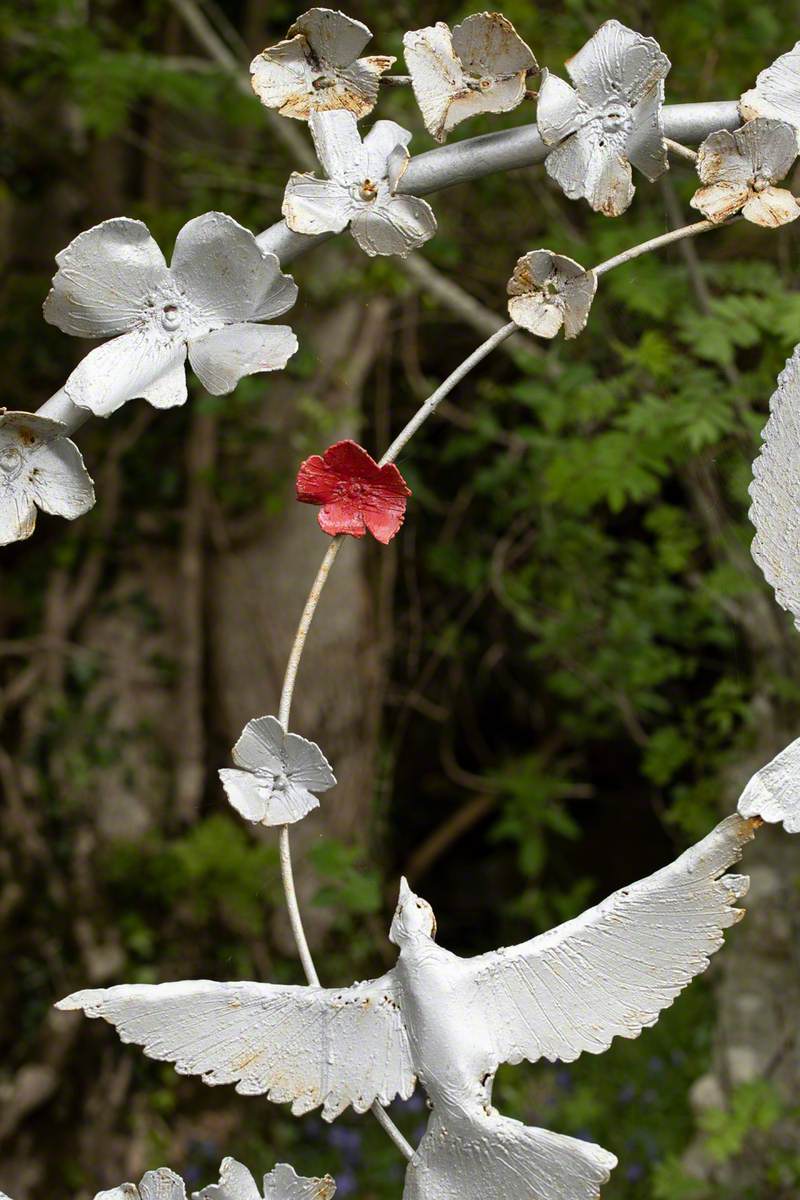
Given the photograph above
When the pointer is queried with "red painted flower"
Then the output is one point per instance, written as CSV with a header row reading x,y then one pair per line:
x,y
355,493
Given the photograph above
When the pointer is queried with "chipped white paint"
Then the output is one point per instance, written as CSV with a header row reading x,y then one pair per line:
x,y
451,1022
777,91
279,772
773,794
39,468
361,188
739,170
775,492
481,67
281,1183
318,68
113,281
549,290
609,120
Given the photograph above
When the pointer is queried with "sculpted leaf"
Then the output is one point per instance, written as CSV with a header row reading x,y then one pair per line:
x,y
773,794
282,1183
317,69
739,169
481,67
361,188
609,120
777,91
112,281
279,773
549,290
452,1021
39,468
775,492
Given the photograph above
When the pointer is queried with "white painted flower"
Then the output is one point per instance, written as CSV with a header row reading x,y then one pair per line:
x,y
282,1183
480,67
161,1184
361,188
738,171
549,290
279,772
318,69
777,91
609,120
773,794
112,281
39,468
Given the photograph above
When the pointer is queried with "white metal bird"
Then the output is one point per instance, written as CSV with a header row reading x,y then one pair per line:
x,y
450,1022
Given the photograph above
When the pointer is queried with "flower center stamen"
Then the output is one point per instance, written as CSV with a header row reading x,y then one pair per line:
x,y
760,182
322,82
368,190
170,317
11,463
616,115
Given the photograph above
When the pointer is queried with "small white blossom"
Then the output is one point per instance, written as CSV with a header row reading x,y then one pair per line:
x,y
279,772
161,1184
361,188
738,171
318,69
549,290
39,468
113,281
609,120
777,91
480,67
282,1183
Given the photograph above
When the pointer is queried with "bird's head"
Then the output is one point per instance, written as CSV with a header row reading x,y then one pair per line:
x,y
413,916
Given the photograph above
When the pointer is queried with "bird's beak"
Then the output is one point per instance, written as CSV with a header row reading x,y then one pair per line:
x,y
405,890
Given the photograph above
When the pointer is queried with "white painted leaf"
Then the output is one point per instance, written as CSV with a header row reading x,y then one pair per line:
x,y
775,492
279,773
305,1045
738,170
773,794
282,1183
549,290
611,971
777,91
481,67
39,468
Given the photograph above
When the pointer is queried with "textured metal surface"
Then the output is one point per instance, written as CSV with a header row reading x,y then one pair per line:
x,y
549,291
39,469
277,776
773,794
451,1022
738,171
775,492
281,1183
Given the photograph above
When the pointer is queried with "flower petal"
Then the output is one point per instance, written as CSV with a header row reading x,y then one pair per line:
x,y
218,265
436,75
617,63
136,364
488,44
769,146
224,356
771,208
646,149
777,91
17,513
383,138
261,746
60,483
393,225
598,173
162,1184
342,516
333,37
721,159
104,278
338,145
282,79
306,765
718,201
235,1183
312,205
559,109
384,520
283,1183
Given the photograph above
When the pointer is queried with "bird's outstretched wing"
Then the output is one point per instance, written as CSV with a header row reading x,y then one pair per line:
x,y
307,1045
611,971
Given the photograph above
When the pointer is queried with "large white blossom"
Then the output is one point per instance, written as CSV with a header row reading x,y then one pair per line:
x,y
360,189
317,68
479,67
112,281
39,468
609,120
739,170
277,776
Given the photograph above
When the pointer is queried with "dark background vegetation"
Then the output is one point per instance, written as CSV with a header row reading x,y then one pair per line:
x,y
558,676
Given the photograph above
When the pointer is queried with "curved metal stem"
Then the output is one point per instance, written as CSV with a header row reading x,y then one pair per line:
x,y
663,239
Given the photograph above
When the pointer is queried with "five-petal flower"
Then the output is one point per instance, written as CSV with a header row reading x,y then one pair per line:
x,y
39,468
355,493
549,290
777,91
282,1183
361,188
738,171
279,772
480,67
317,68
609,120
112,281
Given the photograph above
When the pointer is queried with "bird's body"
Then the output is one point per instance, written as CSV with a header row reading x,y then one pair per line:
x,y
451,1021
